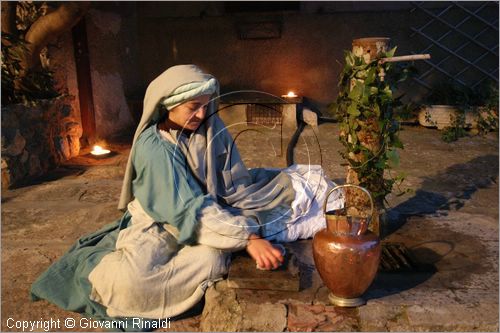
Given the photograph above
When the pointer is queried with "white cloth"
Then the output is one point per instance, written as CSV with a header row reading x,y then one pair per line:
x,y
306,216
149,275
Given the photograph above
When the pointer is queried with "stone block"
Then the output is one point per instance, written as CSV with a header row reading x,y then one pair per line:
x,y
308,318
72,127
244,274
35,168
224,312
17,145
454,317
380,317
74,145
304,318
62,147
340,320
276,296
310,118
290,116
263,317
191,324
221,312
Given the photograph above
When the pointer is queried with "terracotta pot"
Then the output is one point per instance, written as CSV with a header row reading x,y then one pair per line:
x,y
371,45
346,254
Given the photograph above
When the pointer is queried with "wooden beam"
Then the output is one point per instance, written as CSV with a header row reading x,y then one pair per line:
x,y
85,95
406,58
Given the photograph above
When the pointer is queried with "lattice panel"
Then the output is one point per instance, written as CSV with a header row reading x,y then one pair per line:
x,y
462,38
264,114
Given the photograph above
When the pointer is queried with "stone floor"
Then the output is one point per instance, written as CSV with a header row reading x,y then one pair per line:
x,y
447,216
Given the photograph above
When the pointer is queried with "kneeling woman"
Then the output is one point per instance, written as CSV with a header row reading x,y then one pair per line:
x,y
189,202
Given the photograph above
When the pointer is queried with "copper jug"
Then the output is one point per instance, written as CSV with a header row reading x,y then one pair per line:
x,y
346,253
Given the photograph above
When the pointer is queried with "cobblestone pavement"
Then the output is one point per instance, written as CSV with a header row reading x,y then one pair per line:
x,y
449,218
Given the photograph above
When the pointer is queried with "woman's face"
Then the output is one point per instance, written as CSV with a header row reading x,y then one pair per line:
x,y
190,114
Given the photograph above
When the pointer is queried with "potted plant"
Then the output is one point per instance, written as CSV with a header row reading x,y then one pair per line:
x,y
484,101
454,109
444,106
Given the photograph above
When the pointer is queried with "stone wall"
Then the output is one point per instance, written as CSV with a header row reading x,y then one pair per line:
x,y
131,43
37,138
111,53
62,64
307,57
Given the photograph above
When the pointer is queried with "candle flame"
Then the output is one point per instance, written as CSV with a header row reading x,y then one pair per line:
x,y
98,150
290,94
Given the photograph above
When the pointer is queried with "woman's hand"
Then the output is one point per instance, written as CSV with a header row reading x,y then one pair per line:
x,y
267,256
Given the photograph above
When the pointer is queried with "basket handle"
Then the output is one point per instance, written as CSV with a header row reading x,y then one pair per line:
x,y
350,185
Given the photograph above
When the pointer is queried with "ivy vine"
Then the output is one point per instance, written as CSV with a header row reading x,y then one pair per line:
x,y
366,108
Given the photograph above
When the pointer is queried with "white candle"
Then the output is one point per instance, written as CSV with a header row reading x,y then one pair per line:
x,y
98,150
290,94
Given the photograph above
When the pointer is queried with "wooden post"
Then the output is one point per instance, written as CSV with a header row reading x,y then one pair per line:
x,y
369,48
85,95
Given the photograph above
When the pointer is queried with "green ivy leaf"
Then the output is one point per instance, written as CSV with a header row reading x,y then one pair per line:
x,y
354,138
361,74
396,142
380,164
371,75
349,59
353,110
393,158
373,91
356,91
390,53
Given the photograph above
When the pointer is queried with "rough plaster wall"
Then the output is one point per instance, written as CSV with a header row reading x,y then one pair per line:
x,y
62,63
307,58
112,114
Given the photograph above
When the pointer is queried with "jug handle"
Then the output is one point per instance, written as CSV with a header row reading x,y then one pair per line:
x,y
351,185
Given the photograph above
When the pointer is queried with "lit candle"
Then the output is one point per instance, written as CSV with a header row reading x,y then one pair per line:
x,y
98,150
290,94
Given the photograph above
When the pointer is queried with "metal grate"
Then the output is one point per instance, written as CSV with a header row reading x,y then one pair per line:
x,y
264,114
463,42
396,258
